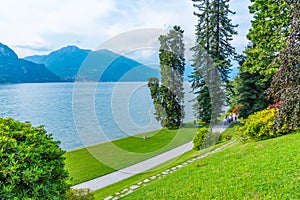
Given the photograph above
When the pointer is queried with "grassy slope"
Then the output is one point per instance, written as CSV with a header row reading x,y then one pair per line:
x,y
87,163
257,170
117,187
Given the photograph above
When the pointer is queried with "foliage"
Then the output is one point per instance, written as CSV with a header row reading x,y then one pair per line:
x,y
212,55
260,125
246,92
268,35
199,138
80,194
266,169
237,108
270,29
232,91
168,110
31,163
168,98
250,94
285,87
203,105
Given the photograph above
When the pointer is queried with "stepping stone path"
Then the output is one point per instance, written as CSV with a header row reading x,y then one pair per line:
x,y
133,188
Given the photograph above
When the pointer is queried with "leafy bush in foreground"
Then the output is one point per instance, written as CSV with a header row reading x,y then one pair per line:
x,y
260,125
31,163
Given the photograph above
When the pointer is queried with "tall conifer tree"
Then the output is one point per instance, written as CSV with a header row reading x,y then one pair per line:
x,y
168,98
212,56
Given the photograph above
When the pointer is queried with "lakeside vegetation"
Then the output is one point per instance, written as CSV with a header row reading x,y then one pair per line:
x,y
85,164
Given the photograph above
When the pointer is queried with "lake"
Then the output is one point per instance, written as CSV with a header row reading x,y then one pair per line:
x,y
82,114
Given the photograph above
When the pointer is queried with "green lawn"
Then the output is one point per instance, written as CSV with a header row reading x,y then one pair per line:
x,y
117,187
230,132
94,161
267,169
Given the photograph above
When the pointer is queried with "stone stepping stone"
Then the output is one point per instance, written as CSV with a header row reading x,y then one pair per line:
x,y
133,187
146,181
125,190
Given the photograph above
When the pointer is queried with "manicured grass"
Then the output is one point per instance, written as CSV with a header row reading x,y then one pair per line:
x,y
117,187
230,132
267,169
91,162
81,166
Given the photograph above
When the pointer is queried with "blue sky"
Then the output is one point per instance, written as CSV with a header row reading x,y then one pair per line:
x,y
38,27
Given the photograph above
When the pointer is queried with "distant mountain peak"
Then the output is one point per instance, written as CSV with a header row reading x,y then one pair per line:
x,y
6,52
15,70
66,62
70,49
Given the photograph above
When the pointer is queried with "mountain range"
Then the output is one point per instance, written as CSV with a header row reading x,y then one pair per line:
x,y
64,62
16,70
71,63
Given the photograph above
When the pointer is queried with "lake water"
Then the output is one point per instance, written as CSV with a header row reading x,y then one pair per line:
x,y
81,114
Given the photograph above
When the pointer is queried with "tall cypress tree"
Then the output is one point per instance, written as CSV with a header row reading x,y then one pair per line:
x,y
168,98
212,56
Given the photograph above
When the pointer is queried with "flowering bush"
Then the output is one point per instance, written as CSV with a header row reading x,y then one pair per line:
x,y
260,125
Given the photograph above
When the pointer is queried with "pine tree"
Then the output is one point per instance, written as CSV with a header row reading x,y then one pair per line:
x,y
251,95
248,92
168,98
212,55
285,87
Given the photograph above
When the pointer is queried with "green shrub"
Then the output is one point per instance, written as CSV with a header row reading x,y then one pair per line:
x,y
199,138
211,139
79,194
31,163
226,136
230,132
260,125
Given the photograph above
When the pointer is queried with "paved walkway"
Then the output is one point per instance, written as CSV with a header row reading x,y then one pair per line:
x,y
114,177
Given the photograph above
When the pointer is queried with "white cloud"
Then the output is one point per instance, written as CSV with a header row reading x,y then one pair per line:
x,y
243,19
31,22
30,26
